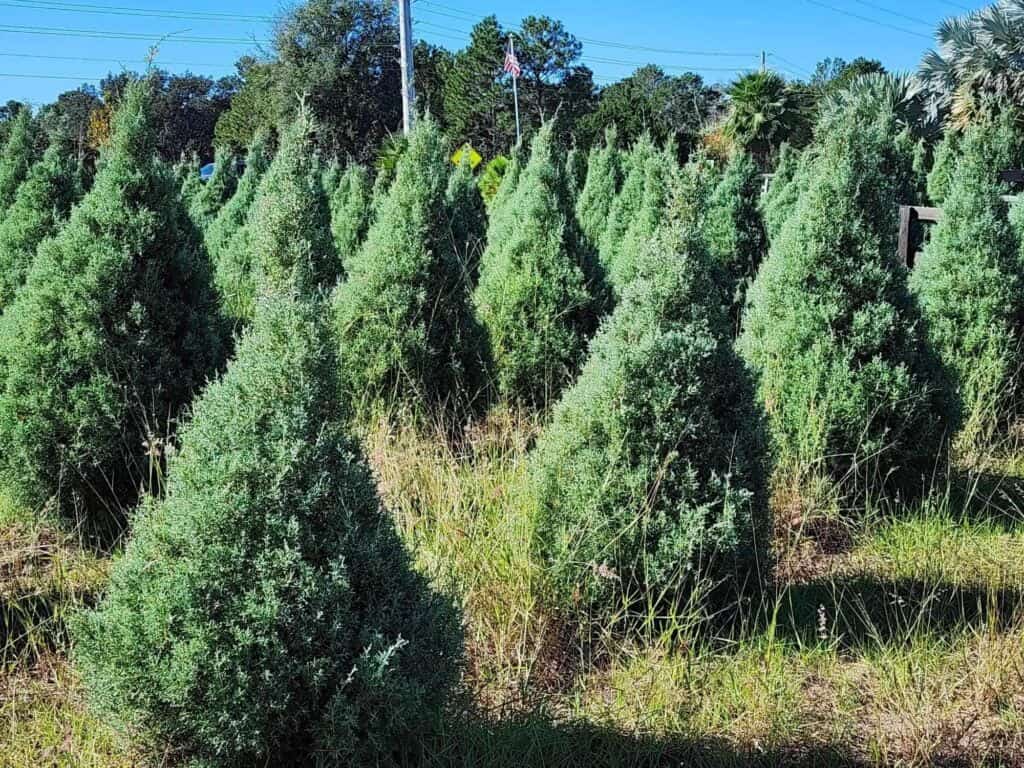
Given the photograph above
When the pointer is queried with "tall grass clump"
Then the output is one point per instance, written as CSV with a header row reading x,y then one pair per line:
x,y
970,287
734,230
17,157
628,202
653,466
350,212
115,328
231,217
603,179
831,330
40,207
468,216
265,611
287,236
402,318
536,294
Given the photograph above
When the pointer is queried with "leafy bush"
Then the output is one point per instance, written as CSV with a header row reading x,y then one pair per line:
x,y
832,330
492,177
286,241
604,176
653,465
628,202
265,611
968,282
114,330
468,216
534,297
658,173
232,216
402,318
40,206
734,231
350,212
17,157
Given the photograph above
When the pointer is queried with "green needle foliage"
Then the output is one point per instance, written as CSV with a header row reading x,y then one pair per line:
x,y
231,218
17,157
832,330
790,179
468,216
734,231
191,183
534,298
40,207
350,211
628,202
604,177
114,330
575,171
216,191
645,221
968,282
943,166
265,611
403,322
286,241
653,465
330,177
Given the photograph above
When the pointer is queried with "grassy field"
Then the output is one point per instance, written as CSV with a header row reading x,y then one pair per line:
x,y
891,637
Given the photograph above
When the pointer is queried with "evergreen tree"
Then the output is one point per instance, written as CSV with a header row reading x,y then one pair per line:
x,y
191,181
534,297
734,230
114,330
330,177
40,207
831,328
943,166
968,282
403,323
653,465
350,212
286,241
575,172
787,183
265,611
232,216
604,175
646,219
628,202
468,216
17,156
216,191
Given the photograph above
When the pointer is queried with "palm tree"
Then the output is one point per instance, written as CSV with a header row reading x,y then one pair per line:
x,y
766,112
904,96
980,56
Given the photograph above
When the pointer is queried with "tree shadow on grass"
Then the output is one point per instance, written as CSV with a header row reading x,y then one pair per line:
x,y
865,611
534,740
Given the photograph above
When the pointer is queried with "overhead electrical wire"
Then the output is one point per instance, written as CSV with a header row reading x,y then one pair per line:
x,y
111,35
868,19
119,10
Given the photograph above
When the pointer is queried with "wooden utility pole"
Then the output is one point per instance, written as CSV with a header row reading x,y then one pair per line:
x,y
764,61
408,82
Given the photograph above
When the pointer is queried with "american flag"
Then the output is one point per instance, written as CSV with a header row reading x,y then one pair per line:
x,y
511,62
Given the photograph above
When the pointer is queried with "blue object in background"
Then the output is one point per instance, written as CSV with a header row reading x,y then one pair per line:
x,y
207,171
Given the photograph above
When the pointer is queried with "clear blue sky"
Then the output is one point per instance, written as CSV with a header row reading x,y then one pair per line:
x,y
796,33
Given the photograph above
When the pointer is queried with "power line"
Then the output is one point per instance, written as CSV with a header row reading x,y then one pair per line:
x,y
158,62
897,14
806,72
107,35
868,19
76,78
590,41
118,10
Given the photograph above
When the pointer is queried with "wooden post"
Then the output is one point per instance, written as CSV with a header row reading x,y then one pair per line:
x,y
903,251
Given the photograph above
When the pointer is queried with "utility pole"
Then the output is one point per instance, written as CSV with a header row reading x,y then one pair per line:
x,y
764,61
408,83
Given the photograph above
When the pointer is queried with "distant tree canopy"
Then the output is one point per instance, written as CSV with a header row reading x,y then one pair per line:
x,y
185,110
834,74
669,108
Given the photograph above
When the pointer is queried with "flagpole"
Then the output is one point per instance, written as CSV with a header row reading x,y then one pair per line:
x,y
515,89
